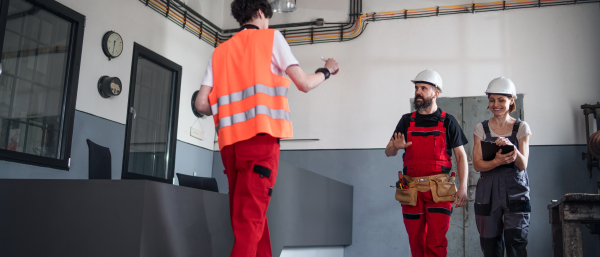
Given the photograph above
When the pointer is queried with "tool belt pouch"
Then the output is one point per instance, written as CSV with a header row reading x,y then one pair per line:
x,y
442,190
407,196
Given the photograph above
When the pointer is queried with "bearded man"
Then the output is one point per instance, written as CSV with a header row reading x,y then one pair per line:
x,y
429,136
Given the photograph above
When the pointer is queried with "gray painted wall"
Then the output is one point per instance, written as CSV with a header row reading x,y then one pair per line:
x,y
377,217
377,225
86,126
189,158
378,229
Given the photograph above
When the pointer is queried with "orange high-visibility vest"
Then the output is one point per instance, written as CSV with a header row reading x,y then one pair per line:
x,y
247,98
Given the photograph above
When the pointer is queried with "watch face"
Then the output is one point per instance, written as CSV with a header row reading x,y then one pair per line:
x,y
114,44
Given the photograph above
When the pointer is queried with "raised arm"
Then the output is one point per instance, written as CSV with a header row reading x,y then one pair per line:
x,y
396,143
307,82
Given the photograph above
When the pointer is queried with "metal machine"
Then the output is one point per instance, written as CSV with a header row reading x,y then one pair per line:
x,y
593,142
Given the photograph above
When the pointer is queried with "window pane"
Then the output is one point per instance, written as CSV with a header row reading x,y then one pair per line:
x,y
10,53
16,136
16,15
4,132
6,85
31,25
50,143
52,109
32,87
20,104
38,105
149,131
34,140
26,58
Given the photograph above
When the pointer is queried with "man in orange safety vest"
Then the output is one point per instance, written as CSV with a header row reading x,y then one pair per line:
x,y
245,91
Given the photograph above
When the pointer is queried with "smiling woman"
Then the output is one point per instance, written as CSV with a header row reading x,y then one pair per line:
x,y
502,195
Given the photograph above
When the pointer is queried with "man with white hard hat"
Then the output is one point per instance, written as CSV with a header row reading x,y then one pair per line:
x,y
426,187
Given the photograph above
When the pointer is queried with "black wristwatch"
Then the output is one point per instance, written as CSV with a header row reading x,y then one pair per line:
x,y
325,72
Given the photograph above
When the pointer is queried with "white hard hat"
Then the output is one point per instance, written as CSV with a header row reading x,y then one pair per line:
x,y
429,76
502,86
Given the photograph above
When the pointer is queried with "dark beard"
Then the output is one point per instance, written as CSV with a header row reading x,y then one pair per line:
x,y
420,106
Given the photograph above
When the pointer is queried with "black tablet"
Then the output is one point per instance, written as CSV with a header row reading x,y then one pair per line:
x,y
489,150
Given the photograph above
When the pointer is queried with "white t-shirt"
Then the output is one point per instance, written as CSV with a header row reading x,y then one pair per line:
x,y
282,58
523,131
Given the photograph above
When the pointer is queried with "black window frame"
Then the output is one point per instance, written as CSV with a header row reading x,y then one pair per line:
x,y
141,51
71,84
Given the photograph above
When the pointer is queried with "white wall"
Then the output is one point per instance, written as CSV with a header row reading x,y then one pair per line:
x,y
138,23
211,10
550,53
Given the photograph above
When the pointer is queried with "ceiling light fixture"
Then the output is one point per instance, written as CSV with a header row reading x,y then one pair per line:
x,y
283,6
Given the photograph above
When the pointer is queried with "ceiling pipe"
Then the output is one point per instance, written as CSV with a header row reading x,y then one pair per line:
x,y
335,32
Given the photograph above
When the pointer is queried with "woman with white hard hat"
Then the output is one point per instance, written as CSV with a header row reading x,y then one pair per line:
x,y
502,207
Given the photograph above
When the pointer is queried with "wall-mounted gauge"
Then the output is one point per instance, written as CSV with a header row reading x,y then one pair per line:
x,y
109,86
112,44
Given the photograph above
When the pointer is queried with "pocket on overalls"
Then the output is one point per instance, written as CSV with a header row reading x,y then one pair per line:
x,y
265,182
517,188
422,144
442,190
483,195
439,145
407,196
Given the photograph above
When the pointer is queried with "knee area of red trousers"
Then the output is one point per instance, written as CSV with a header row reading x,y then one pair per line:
x,y
438,219
444,212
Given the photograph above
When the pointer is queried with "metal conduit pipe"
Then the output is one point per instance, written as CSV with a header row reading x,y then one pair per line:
x,y
195,23
208,32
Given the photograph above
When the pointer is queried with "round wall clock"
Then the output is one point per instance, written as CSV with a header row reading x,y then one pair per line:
x,y
112,44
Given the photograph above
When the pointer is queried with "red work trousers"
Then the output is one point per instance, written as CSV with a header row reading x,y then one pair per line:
x,y
427,224
251,168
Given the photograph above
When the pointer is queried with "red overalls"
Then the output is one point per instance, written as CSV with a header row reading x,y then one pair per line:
x,y
251,113
427,222
251,168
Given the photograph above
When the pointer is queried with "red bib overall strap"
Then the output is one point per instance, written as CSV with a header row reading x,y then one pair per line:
x,y
427,155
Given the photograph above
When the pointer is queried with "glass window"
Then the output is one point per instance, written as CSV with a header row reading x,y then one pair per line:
x,y
38,47
152,129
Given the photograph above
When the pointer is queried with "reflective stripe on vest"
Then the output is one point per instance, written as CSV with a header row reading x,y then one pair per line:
x,y
249,114
247,98
239,96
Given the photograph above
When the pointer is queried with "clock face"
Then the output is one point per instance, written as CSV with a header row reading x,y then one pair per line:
x,y
113,44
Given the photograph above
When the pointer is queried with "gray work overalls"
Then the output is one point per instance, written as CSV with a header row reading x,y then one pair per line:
x,y
502,207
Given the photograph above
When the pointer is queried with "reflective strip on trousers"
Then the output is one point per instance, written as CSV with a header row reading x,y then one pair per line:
x,y
249,114
248,92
